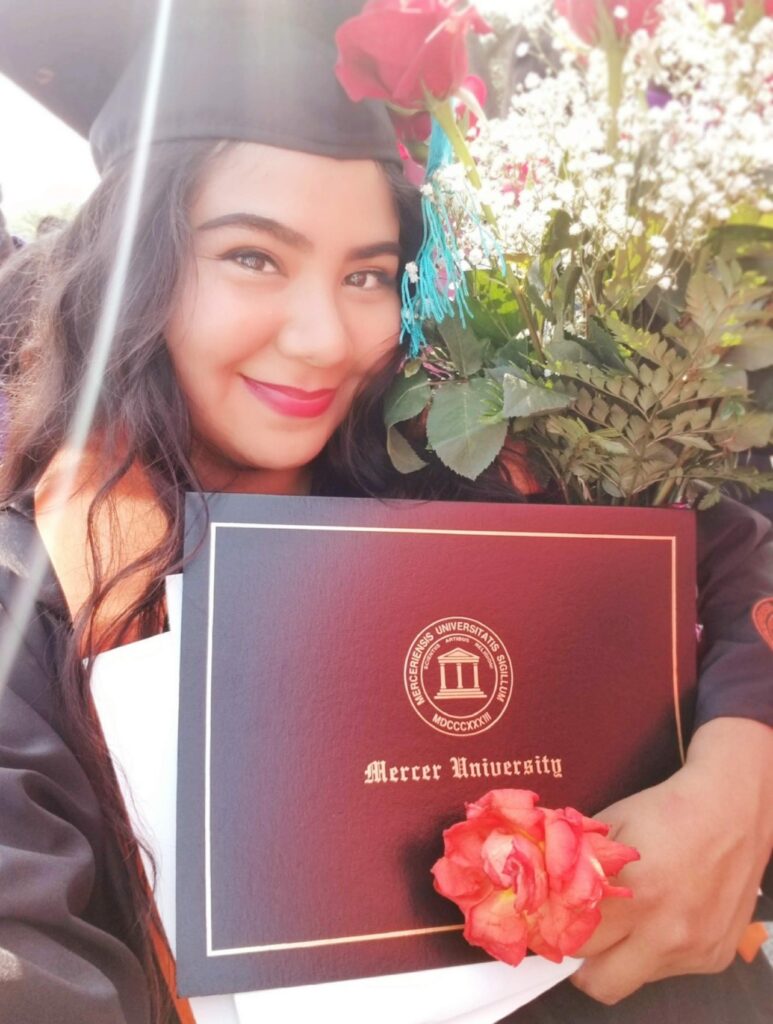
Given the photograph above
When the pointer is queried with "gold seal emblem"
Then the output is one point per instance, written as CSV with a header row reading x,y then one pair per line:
x,y
458,676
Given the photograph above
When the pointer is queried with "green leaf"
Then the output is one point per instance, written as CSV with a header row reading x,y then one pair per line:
x,y
493,307
563,294
403,457
661,379
570,350
534,286
604,344
630,389
511,352
709,499
456,430
465,350
525,398
618,418
557,236
608,444
693,441
753,431
406,398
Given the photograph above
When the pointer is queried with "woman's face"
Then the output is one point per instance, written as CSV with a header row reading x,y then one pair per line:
x,y
290,299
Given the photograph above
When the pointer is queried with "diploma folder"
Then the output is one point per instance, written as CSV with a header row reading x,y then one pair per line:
x,y
353,671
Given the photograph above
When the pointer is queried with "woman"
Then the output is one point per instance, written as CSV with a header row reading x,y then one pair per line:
x,y
261,299
275,308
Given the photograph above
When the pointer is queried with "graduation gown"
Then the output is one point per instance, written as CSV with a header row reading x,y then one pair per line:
x,y
65,954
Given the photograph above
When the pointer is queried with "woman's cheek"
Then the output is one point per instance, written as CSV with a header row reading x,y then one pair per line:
x,y
383,334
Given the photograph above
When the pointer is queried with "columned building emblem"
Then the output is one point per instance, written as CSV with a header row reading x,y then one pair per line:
x,y
458,676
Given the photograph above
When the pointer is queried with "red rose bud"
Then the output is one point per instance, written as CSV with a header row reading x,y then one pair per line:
x,y
527,877
625,17
414,172
416,127
473,90
413,127
398,50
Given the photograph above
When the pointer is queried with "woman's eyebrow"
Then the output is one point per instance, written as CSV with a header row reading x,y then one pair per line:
x,y
257,223
292,237
367,252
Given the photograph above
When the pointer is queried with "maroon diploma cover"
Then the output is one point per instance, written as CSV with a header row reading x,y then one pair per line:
x,y
353,671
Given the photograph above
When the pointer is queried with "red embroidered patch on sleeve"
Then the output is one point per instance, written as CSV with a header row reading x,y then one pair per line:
x,y
762,617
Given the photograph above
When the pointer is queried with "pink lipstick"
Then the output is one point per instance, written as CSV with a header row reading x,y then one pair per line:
x,y
292,401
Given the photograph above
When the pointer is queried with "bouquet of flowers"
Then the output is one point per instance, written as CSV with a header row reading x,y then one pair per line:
x,y
593,302
591,309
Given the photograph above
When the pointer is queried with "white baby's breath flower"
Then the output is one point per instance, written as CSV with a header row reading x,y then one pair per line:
x,y
688,164
655,270
412,271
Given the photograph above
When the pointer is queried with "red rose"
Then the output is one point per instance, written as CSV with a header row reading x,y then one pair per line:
x,y
583,16
416,127
398,49
528,877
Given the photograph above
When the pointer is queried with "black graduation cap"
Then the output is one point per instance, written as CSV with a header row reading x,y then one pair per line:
x,y
251,70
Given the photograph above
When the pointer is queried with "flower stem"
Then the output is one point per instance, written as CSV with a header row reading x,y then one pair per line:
x,y
615,52
443,113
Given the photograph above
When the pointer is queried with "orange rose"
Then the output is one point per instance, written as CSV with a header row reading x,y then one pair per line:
x,y
527,877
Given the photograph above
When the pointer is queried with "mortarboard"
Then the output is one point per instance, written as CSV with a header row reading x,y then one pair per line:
x,y
251,70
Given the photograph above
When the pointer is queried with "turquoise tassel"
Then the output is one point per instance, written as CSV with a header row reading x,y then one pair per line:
x,y
441,288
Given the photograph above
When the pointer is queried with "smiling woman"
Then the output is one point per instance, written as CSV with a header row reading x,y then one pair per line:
x,y
260,302
256,330
286,306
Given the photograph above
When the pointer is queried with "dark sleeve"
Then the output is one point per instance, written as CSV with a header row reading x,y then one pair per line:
x,y
60,962
735,571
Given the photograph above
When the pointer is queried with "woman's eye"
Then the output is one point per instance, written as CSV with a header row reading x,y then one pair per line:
x,y
251,259
368,280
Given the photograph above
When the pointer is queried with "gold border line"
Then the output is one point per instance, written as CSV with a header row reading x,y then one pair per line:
x,y
675,653
346,939
343,940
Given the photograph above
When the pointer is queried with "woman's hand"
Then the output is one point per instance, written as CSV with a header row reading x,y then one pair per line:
x,y
705,837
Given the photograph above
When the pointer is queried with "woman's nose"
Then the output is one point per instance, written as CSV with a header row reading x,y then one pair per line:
x,y
314,330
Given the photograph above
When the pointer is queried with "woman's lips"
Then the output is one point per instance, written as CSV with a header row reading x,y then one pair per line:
x,y
292,401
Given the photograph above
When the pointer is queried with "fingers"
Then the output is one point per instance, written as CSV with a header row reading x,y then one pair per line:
x,y
664,947
618,919
616,973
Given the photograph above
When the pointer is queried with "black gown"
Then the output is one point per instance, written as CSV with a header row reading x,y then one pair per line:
x,y
65,949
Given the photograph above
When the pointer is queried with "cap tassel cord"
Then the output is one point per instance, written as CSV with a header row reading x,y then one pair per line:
x,y
435,286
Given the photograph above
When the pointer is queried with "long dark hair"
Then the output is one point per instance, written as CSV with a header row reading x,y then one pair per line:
x,y
50,301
